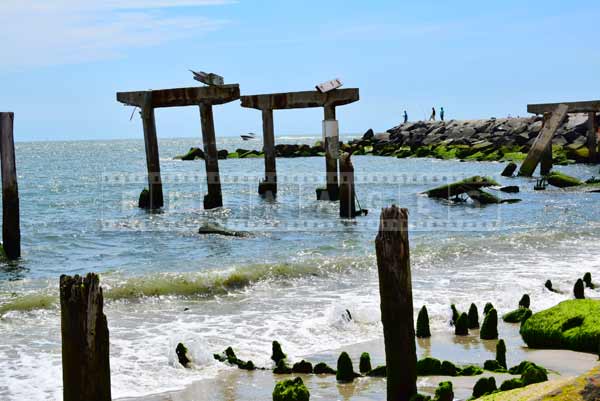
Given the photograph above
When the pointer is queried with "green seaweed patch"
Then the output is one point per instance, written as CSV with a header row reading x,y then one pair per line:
x,y
572,325
28,303
517,316
429,366
494,366
322,368
484,386
291,390
561,180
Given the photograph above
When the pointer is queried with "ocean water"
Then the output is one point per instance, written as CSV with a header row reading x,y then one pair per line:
x,y
290,279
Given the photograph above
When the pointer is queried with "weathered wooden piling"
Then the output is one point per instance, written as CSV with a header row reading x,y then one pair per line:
x,y
347,193
331,145
269,184
592,137
546,161
11,229
152,158
298,100
205,97
543,140
214,198
85,345
395,289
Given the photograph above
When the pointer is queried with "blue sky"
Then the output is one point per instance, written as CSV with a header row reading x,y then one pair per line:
x,y
63,60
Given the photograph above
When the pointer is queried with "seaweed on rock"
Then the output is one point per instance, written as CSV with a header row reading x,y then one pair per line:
x,y
473,317
489,328
291,390
364,365
572,325
423,330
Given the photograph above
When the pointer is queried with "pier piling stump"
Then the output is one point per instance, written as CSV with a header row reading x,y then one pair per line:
x,y
395,289
543,140
347,194
331,144
214,197
85,346
11,229
546,161
592,138
269,185
152,158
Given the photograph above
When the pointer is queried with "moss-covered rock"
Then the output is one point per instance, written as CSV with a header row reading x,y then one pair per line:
x,y
429,366
291,390
192,154
379,371
516,316
322,368
473,317
525,301
573,325
364,365
277,353
182,355
423,324
587,279
282,368
501,353
444,392
494,366
511,384
484,386
579,289
534,374
561,180
449,369
550,287
461,328
345,370
303,367
489,328
522,367
471,370
488,307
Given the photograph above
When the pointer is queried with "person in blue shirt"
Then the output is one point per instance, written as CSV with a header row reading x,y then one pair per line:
x,y
442,113
405,117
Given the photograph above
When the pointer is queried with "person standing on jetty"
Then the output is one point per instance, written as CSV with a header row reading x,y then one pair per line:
x,y
441,114
432,118
405,117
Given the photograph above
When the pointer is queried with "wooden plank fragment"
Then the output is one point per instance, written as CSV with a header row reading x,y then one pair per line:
x,y
573,107
299,100
542,141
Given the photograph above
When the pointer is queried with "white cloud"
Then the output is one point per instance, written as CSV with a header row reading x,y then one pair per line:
x,y
40,32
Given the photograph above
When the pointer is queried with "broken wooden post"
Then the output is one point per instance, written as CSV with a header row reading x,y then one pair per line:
x,y
85,346
347,194
269,185
546,161
11,230
543,139
152,158
592,138
331,144
211,159
395,290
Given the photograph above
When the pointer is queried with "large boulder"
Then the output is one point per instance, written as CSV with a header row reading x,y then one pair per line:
x,y
572,325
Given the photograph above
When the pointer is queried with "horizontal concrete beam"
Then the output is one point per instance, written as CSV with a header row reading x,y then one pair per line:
x,y
193,96
574,107
299,100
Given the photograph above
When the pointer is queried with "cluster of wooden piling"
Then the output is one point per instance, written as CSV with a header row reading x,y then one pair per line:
x,y
554,115
205,98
